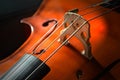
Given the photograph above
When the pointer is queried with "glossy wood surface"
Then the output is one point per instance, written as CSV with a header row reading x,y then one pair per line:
x,y
105,37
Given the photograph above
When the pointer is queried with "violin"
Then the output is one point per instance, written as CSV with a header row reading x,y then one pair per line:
x,y
69,40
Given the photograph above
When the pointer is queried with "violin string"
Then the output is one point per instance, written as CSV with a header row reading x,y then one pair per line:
x,y
44,50
32,52
91,6
100,8
70,38
41,54
106,12
50,35
38,43
41,41
48,58
55,51
37,47
45,34
57,37
82,9
95,5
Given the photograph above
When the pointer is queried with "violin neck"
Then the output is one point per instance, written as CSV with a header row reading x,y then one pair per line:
x,y
24,69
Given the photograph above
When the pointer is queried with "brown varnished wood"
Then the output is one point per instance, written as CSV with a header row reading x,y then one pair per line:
x,y
104,39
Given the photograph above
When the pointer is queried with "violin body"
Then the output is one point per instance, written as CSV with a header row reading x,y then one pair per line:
x,y
68,63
